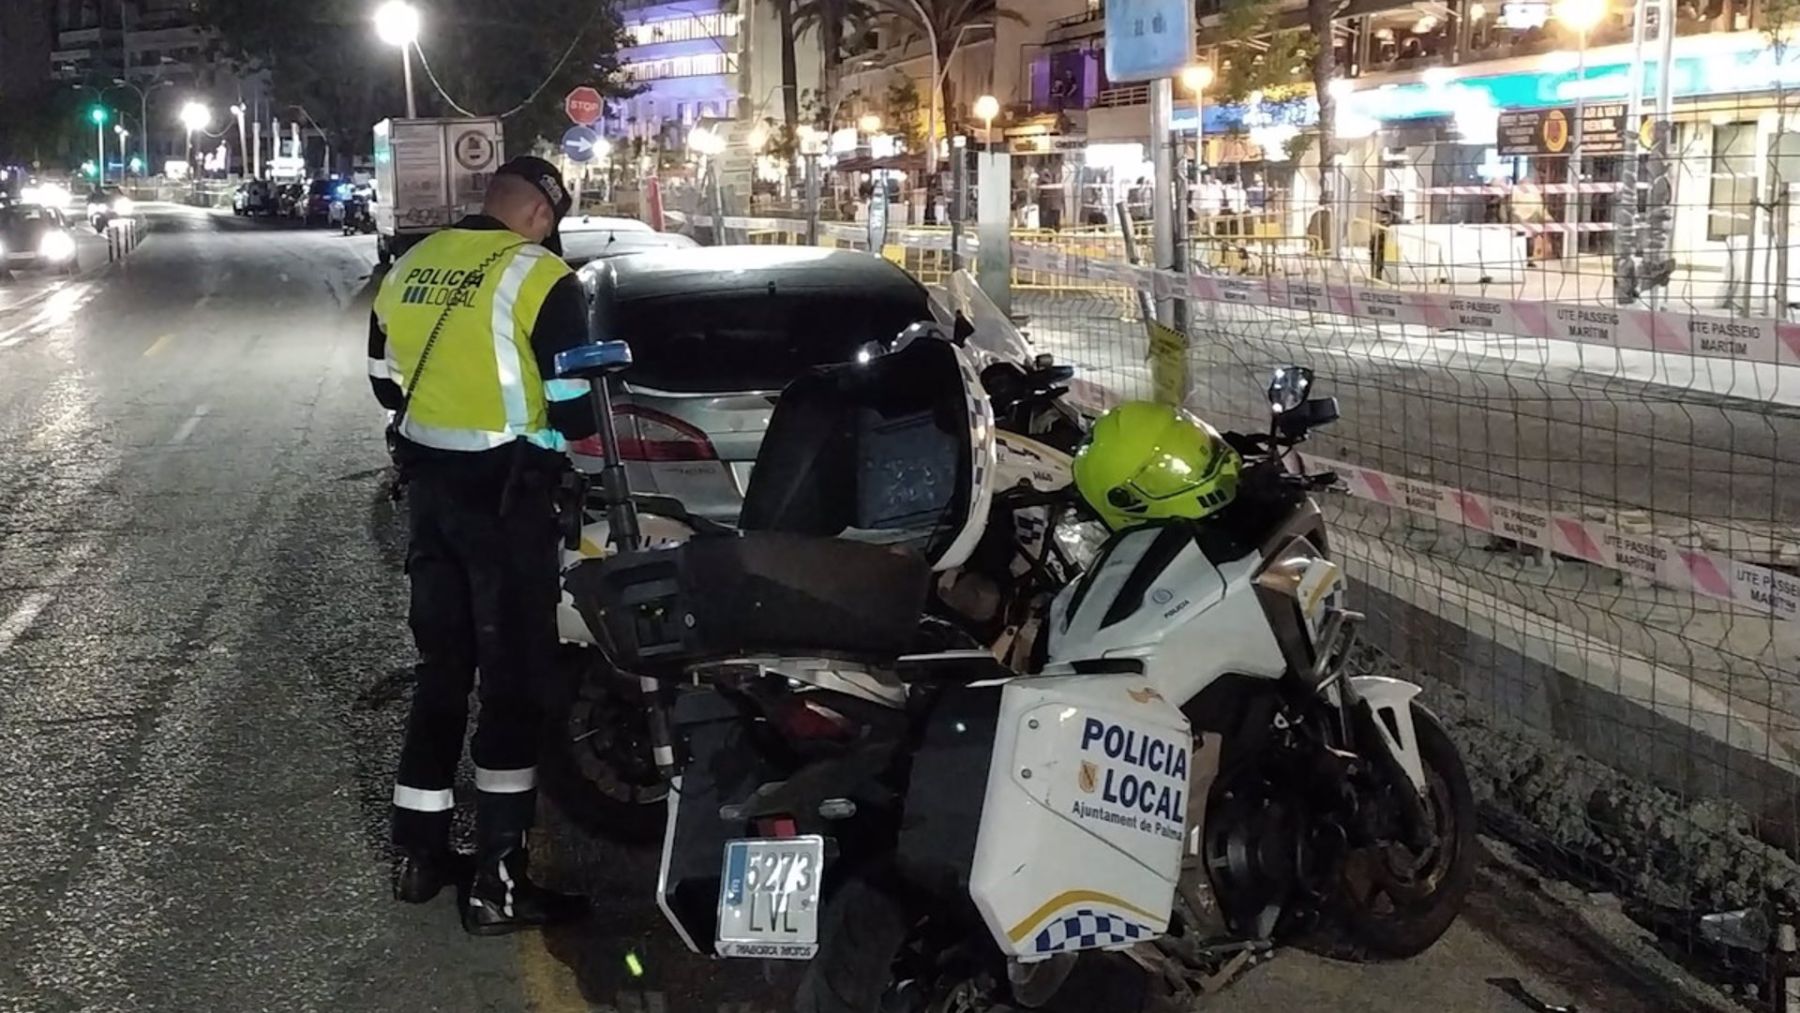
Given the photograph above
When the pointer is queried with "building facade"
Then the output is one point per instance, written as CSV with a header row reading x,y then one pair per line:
x,y
144,60
684,57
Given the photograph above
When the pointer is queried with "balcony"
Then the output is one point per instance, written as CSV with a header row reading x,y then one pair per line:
x,y
703,65
683,29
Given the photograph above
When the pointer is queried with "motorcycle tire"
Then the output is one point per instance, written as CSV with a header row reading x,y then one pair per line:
x,y
589,788
1417,914
861,933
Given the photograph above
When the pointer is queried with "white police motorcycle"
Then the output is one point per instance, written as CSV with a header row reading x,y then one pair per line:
x,y
600,759
1193,771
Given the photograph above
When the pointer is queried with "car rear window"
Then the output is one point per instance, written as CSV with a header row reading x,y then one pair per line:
x,y
752,340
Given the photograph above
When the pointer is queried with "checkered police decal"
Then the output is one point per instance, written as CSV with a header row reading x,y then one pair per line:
x,y
1088,930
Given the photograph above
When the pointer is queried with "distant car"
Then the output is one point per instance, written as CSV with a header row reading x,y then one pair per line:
x,y
105,203
290,199
34,236
254,197
715,334
590,238
314,206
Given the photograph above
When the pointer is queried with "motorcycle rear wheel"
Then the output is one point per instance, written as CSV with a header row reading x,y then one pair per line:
x,y
876,956
597,764
1394,902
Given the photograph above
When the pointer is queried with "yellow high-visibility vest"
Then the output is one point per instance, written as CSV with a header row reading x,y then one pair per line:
x,y
481,387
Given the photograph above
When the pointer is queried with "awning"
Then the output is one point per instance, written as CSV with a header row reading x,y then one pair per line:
x,y
908,162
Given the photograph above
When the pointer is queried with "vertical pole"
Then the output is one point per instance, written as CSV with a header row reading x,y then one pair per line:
x,y
144,125
412,110
959,197
100,145
1626,234
1656,233
993,216
812,199
256,153
1162,210
1572,251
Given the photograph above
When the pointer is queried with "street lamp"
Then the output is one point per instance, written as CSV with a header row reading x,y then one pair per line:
x,y
759,135
869,123
987,107
98,115
1197,79
194,116
238,111
397,24
937,73
143,95
1582,16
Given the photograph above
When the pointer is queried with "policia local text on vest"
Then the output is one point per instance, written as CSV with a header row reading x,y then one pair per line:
x,y
461,344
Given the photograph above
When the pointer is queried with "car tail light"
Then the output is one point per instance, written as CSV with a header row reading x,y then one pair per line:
x,y
649,435
802,719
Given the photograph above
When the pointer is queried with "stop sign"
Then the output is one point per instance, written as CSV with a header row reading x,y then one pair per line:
x,y
583,105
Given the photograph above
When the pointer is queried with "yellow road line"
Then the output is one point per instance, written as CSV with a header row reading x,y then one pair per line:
x,y
549,984
158,344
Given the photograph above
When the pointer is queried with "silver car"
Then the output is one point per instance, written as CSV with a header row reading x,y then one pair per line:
x,y
587,238
715,335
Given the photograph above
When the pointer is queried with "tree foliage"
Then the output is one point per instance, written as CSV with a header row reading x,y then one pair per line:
x,y
323,56
945,20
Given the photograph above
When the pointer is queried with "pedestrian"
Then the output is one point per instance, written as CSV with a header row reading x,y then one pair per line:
x,y
461,348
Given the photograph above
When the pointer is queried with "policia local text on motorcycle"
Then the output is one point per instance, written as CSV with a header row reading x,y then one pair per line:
x,y
461,345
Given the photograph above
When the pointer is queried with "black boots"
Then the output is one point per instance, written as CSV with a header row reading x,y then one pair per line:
x,y
419,875
502,899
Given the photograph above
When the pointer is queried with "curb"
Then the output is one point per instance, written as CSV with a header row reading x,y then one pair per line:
x,y
1568,920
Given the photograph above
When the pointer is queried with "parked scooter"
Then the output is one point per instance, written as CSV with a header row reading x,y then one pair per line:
x,y
1194,771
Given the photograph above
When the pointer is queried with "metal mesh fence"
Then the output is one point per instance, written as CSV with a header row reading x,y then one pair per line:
x,y
1575,512
1570,439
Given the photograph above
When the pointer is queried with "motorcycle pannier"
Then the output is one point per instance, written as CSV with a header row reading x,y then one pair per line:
x,y
760,592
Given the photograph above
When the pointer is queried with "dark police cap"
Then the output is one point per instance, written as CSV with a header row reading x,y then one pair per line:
x,y
544,177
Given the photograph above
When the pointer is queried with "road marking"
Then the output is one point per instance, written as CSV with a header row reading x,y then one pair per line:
x,y
549,985
57,308
159,344
20,619
187,428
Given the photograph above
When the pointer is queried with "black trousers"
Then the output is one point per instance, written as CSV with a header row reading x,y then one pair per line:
x,y
484,593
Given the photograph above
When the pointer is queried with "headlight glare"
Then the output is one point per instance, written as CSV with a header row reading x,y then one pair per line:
x,y
57,247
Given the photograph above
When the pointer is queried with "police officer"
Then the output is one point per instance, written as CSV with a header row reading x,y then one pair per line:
x,y
461,345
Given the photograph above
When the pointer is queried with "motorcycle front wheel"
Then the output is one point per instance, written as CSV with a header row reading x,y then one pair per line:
x,y
1396,901
597,762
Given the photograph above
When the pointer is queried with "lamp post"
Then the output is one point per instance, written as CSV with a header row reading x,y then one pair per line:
x,y
1582,16
931,116
869,123
1197,79
987,107
237,110
194,116
397,24
98,115
143,95
123,135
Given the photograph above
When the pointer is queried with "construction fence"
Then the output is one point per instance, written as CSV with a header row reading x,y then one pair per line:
x,y
1577,520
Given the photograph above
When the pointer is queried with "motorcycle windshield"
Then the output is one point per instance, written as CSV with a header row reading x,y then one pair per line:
x,y
995,338
891,450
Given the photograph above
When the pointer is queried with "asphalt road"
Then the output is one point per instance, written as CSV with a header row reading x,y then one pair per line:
x,y
203,674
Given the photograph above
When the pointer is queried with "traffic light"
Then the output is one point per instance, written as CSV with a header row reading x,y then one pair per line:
x,y
88,168
98,115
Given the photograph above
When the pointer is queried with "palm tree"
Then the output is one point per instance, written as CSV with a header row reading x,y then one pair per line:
x,y
834,20
785,11
948,21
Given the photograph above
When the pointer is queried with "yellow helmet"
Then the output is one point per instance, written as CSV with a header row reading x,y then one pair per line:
x,y
1147,461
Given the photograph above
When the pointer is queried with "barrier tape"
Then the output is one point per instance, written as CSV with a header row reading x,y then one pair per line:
x,y
1652,557
1743,339
1706,335
1521,189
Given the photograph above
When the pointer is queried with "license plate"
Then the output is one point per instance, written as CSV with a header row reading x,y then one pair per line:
x,y
769,898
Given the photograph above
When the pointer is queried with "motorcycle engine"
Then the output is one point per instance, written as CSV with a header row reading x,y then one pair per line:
x,y
1254,848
